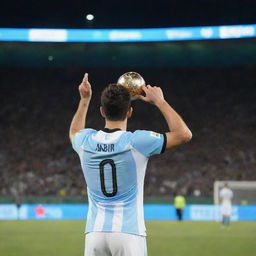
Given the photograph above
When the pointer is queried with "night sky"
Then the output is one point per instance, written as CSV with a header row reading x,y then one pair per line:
x,y
124,14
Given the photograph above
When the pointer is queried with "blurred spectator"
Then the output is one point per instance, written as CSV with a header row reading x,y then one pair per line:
x,y
179,204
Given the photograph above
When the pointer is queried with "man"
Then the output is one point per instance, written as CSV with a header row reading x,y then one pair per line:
x,y
114,164
179,204
226,196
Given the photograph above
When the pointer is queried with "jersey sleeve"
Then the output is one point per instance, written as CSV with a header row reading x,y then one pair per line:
x,y
79,138
149,143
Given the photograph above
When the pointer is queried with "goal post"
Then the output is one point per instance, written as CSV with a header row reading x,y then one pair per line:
x,y
244,191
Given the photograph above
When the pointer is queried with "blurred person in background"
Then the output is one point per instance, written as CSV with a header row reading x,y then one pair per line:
x,y
179,204
226,195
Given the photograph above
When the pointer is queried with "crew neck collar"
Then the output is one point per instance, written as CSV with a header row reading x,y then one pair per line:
x,y
111,130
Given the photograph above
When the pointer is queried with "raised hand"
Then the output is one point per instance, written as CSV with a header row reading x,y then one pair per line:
x,y
153,94
85,89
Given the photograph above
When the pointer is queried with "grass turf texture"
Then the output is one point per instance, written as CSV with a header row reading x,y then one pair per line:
x,y
165,238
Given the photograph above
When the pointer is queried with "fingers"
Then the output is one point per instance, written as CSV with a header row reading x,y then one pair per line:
x,y
85,83
144,88
85,79
85,86
149,87
141,97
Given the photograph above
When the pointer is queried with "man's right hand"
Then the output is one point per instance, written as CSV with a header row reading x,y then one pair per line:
x,y
178,132
154,95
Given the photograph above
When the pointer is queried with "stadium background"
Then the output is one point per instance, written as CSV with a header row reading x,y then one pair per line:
x,y
210,83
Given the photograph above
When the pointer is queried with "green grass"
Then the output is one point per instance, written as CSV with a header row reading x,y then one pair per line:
x,y
165,238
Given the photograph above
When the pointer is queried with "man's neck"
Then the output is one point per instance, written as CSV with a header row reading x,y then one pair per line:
x,y
116,124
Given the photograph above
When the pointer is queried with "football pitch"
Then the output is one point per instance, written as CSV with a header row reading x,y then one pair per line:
x,y
165,238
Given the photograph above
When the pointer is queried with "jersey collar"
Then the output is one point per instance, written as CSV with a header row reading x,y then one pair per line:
x,y
111,130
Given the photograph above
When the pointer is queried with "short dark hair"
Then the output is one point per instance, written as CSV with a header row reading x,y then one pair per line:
x,y
115,100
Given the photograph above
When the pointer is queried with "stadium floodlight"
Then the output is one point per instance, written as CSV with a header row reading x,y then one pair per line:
x,y
244,191
89,17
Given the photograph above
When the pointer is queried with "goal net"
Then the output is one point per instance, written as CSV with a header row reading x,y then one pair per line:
x,y
244,191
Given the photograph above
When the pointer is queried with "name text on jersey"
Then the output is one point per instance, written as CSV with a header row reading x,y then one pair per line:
x,y
105,147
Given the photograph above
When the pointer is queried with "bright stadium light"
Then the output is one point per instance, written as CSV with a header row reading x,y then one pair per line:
x,y
89,17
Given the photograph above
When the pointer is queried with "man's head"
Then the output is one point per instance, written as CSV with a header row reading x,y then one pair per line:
x,y
115,102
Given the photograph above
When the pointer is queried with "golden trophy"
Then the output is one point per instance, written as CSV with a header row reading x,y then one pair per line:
x,y
133,81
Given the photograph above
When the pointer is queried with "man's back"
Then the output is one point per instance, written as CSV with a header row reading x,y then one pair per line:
x,y
114,164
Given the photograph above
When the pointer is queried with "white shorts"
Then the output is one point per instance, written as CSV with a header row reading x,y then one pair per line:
x,y
114,244
226,209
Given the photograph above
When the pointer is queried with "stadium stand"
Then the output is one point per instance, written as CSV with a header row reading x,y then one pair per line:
x,y
218,104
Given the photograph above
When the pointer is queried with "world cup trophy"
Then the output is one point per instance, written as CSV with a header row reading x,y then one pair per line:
x,y
133,81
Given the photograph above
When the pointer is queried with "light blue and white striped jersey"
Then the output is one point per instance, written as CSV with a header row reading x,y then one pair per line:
x,y
114,164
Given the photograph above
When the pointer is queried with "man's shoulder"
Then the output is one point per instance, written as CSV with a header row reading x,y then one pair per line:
x,y
146,133
85,131
82,134
79,138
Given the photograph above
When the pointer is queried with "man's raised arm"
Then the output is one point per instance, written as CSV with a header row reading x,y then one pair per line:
x,y
78,121
178,133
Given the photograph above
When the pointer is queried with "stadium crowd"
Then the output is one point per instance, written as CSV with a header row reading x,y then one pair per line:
x,y
37,105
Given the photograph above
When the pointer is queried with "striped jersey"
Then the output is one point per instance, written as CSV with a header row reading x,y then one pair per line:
x,y
114,165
